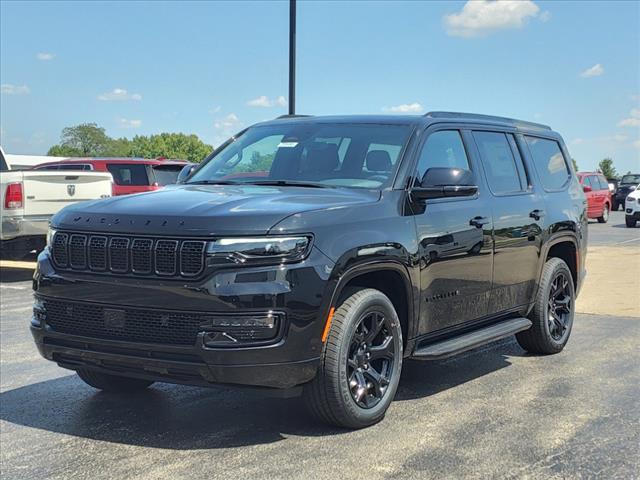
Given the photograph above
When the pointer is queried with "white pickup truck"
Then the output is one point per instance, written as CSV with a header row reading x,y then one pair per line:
x,y
29,198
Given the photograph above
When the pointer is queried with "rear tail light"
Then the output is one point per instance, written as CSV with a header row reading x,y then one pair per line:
x,y
13,196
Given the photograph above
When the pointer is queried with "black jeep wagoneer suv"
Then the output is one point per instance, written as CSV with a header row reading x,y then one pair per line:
x,y
318,253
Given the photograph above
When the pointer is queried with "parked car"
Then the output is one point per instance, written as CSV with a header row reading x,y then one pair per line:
x,y
130,175
596,189
632,208
29,199
626,185
316,254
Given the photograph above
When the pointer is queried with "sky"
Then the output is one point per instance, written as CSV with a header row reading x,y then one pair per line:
x,y
212,68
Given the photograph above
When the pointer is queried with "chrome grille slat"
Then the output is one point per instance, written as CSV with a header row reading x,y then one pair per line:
x,y
123,254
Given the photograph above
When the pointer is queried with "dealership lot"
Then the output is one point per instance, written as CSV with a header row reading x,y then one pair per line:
x,y
492,413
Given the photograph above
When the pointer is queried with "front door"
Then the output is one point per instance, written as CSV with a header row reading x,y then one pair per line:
x,y
455,242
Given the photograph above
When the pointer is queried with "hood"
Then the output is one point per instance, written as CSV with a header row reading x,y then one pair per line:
x,y
205,210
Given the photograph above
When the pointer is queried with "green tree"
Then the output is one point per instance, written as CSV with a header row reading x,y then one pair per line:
x,y
86,139
607,168
575,164
170,145
89,140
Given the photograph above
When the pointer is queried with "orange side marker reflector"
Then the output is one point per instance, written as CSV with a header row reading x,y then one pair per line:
x,y
327,325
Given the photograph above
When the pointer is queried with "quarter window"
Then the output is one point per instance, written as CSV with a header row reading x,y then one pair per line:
x,y
549,162
129,174
505,174
443,149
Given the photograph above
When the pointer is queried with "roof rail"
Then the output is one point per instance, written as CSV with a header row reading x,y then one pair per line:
x,y
491,118
293,116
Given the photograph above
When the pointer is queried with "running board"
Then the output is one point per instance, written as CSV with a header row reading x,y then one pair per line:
x,y
468,341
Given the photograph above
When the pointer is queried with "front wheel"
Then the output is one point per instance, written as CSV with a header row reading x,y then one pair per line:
x,y
361,362
630,221
605,214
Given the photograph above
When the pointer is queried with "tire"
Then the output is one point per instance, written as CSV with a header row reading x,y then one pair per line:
x,y
548,336
112,383
630,221
614,206
605,214
343,393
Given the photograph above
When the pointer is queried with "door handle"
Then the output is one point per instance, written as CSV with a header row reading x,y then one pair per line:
x,y
478,221
536,214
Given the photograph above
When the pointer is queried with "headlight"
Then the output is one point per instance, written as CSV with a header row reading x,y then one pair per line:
x,y
50,234
252,250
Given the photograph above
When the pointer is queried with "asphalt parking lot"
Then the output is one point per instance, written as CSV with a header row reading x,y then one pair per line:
x,y
495,412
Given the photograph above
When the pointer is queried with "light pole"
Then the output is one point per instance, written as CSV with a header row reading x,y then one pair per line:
x,y
292,57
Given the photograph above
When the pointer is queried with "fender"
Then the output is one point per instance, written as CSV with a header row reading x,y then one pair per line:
x,y
343,274
554,239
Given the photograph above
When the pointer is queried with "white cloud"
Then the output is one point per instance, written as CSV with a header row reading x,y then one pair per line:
x,y
636,144
228,122
482,17
265,102
10,89
215,109
119,94
633,120
127,123
577,141
44,56
414,107
635,98
594,71
545,16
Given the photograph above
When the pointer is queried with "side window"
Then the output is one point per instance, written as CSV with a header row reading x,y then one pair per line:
x,y
503,174
587,182
549,162
129,174
604,185
442,149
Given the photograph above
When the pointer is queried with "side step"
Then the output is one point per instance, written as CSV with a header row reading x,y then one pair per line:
x,y
468,341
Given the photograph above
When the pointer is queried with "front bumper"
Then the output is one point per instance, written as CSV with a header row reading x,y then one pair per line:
x,y
298,290
24,226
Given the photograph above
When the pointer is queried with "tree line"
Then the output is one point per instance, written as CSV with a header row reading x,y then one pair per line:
x,y
90,140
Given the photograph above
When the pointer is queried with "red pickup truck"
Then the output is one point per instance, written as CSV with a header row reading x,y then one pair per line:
x,y
130,175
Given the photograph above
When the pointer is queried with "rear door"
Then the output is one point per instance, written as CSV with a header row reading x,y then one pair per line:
x,y
518,220
592,196
46,192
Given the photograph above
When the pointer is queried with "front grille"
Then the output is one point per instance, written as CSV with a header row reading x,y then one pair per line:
x,y
129,255
166,327
126,324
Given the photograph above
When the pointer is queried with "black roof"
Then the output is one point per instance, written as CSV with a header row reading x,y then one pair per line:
x,y
431,117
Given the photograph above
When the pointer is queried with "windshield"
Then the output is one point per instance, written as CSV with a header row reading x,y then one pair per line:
x,y
167,174
633,179
346,155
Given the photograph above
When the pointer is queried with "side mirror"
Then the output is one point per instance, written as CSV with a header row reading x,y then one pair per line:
x,y
184,173
587,188
441,182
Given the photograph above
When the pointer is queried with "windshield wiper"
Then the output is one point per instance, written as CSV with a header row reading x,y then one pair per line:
x,y
290,183
213,182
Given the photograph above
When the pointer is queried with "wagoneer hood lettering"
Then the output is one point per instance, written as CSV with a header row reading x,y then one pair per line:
x,y
202,210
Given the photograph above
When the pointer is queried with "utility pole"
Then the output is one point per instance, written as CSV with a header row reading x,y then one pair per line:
x,y
292,57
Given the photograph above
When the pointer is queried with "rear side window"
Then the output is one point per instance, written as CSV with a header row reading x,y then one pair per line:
x,y
166,174
604,185
549,162
587,182
129,174
443,149
505,172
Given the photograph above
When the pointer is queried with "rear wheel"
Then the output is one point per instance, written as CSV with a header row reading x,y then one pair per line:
x,y
552,314
630,221
112,383
614,206
361,362
605,214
